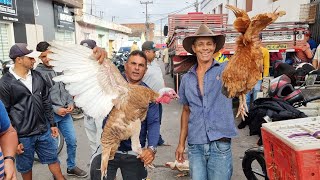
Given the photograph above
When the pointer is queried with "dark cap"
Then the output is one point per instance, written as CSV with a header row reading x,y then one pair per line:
x,y
149,45
20,49
88,43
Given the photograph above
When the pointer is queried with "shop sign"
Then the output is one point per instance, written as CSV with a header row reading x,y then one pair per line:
x,y
8,10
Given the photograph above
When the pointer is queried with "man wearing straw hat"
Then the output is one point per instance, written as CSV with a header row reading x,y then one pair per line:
x,y
207,117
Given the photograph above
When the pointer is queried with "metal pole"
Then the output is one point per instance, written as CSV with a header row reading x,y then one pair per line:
x,y
197,6
91,8
147,24
161,31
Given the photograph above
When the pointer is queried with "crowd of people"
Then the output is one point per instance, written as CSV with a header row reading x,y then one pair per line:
x,y
33,108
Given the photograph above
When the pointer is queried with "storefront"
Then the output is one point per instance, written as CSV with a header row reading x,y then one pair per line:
x,y
14,15
64,24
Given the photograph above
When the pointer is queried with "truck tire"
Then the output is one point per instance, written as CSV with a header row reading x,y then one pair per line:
x,y
249,157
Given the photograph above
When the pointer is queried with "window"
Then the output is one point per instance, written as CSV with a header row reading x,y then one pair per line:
x,y
86,35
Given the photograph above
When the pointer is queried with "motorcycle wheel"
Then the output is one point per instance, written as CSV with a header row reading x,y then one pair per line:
x,y
60,141
250,169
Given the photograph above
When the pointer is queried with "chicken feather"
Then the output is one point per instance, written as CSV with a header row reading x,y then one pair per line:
x,y
244,67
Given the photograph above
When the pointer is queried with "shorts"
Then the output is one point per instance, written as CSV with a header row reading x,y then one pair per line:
x,y
43,144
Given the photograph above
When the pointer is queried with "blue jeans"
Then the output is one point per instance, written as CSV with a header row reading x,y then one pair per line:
x,y
65,125
212,161
45,147
254,91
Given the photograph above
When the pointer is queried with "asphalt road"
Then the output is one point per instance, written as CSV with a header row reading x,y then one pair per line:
x,y
170,132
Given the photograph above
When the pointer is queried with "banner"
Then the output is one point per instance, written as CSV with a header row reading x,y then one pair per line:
x,y
8,10
63,18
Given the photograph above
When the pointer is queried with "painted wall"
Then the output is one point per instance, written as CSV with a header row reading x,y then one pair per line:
x,y
44,16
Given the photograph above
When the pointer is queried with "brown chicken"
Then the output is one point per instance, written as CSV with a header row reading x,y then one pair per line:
x,y
244,68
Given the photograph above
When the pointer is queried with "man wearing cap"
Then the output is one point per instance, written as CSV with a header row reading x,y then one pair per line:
x,y
153,77
93,127
62,104
207,117
26,98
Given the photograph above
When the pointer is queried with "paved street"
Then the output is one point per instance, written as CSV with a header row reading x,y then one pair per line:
x,y
170,132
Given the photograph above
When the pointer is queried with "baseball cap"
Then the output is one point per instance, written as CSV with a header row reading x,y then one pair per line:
x,y
149,45
88,43
20,49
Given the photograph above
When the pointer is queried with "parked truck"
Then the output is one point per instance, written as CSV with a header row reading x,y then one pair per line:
x,y
277,37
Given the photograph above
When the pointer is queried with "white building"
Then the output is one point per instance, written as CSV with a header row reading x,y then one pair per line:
x,y
108,35
292,8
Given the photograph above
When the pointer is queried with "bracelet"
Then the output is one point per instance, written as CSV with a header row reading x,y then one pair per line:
x,y
9,157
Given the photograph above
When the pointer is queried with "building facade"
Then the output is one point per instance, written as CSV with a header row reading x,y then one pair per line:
x,y
140,28
255,7
108,35
56,19
15,17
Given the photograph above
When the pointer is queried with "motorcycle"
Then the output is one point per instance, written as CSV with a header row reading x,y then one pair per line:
x,y
280,88
120,60
6,65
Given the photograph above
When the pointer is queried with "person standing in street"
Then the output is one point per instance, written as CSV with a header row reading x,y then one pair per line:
x,y
62,104
264,73
25,96
207,118
132,168
165,58
93,127
134,46
153,77
8,146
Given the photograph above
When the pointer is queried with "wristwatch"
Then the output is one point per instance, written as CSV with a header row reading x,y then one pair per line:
x,y
153,149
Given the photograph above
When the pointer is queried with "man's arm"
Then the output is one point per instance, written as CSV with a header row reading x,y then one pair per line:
x,y
5,94
47,103
183,133
153,125
153,133
315,61
9,143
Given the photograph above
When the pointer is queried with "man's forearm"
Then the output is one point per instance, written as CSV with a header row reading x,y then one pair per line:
x,y
315,63
184,125
9,142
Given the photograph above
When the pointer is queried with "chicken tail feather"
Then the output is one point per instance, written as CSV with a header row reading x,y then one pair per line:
x,y
104,160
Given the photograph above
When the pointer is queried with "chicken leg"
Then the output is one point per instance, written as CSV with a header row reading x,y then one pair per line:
x,y
243,108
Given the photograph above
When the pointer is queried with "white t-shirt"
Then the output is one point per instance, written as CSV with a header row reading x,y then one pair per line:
x,y
27,82
153,77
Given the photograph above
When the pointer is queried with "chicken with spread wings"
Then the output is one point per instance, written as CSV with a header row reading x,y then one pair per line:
x,y
101,91
244,68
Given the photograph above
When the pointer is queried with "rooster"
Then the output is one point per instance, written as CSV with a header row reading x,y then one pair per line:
x,y
244,68
100,90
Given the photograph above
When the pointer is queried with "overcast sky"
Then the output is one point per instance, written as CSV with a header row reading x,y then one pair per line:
x,y
131,11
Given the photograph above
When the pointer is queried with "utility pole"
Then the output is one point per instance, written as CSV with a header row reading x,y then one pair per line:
x,y
197,6
91,8
161,31
147,24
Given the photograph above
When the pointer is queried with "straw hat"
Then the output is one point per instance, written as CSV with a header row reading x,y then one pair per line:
x,y
203,31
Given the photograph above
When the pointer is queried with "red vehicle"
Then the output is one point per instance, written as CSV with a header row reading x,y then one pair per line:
x,y
277,37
